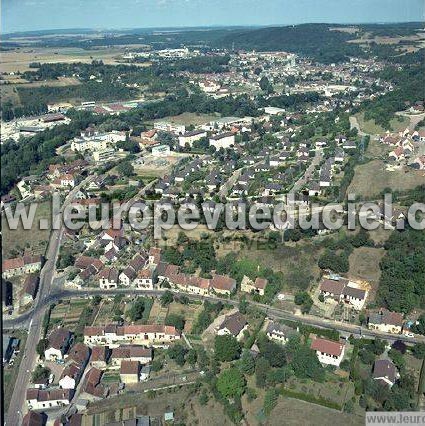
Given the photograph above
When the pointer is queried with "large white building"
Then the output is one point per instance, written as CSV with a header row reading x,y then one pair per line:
x,y
189,138
223,140
95,141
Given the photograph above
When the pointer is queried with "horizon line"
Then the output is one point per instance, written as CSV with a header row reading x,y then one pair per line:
x,y
217,26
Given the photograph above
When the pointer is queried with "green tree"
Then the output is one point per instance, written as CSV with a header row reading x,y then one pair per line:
x,y
177,353
175,319
166,298
41,347
270,400
226,348
231,383
137,309
246,363
418,350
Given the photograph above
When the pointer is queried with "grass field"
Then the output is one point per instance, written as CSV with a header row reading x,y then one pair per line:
x,y
369,126
372,178
189,312
296,413
189,118
364,266
34,240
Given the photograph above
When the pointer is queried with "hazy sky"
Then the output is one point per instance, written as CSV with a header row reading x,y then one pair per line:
x,y
23,15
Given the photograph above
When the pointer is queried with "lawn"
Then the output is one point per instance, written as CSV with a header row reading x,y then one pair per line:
x,y
15,241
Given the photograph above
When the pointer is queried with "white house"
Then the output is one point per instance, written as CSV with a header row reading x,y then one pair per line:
x,y
58,344
38,399
328,352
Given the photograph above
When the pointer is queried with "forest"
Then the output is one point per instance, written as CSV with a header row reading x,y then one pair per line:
x,y
402,283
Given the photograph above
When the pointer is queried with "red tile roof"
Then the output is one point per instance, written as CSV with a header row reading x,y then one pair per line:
x,y
327,346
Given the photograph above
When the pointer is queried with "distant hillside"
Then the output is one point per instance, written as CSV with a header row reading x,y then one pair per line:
x,y
314,40
319,41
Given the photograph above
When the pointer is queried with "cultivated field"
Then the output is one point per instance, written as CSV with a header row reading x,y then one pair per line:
x,y
19,59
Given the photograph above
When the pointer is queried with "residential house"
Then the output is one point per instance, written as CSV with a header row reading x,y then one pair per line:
x,y
144,279
113,335
31,284
108,278
278,332
92,385
59,341
328,352
258,286
137,353
385,372
223,284
386,321
38,399
343,290
33,418
21,265
129,372
100,356
234,325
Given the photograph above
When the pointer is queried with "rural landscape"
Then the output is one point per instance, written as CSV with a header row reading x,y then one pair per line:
x,y
212,224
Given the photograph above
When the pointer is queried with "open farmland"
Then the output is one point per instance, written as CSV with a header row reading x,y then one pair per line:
x,y
19,59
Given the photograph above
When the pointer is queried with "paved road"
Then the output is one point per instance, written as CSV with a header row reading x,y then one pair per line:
x,y
271,312
34,318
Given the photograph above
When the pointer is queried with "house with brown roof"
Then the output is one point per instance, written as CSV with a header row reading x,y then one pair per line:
x,y
30,287
137,353
71,375
100,356
108,278
258,286
154,255
59,341
92,385
129,372
32,418
144,279
234,325
386,321
343,290
222,284
21,265
113,335
38,399
385,372
328,352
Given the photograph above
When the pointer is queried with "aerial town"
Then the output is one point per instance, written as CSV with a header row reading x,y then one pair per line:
x,y
245,319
